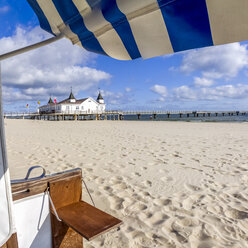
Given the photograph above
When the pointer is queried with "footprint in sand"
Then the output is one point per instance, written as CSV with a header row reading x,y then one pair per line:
x,y
136,174
116,203
167,179
236,214
147,183
162,202
89,169
192,187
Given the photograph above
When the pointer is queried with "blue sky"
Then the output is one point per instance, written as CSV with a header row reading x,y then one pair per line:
x,y
204,79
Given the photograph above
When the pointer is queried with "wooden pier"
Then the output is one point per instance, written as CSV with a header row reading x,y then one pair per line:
x,y
109,115
119,115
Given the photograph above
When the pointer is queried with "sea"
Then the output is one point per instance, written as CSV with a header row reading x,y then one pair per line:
x,y
191,118
164,117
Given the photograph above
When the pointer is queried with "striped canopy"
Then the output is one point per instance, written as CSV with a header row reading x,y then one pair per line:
x,y
129,29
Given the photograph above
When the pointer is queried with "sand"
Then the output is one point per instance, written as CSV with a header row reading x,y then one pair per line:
x,y
174,184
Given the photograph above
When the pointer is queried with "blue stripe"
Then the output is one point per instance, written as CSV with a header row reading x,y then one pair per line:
x,y
42,18
187,23
71,16
112,14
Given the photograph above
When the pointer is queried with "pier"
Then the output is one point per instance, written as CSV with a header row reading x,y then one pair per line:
x,y
119,115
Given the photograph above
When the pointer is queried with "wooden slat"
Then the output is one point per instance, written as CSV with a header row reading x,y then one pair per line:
x,y
65,192
32,187
12,242
64,236
87,220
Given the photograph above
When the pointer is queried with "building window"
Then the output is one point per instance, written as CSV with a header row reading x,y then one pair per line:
x,y
67,107
77,107
82,107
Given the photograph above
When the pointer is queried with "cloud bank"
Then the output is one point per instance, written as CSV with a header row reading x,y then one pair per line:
x,y
52,69
216,62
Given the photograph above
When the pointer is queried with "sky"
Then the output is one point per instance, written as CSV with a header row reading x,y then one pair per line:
x,y
213,78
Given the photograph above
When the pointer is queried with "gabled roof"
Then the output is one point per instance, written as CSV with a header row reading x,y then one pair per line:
x,y
76,102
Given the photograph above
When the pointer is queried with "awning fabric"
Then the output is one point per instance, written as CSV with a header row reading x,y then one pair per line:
x,y
129,29
6,220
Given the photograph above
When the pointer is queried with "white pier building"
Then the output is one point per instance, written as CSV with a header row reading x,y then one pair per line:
x,y
73,106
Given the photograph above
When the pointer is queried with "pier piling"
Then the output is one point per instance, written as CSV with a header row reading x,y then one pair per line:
x,y
118,115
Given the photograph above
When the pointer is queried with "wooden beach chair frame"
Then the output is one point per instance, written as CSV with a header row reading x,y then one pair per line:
x,y
71,218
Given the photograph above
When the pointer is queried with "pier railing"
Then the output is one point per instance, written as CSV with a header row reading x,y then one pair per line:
x,y
79,115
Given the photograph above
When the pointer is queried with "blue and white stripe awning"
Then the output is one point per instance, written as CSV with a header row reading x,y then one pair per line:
x,y
129,29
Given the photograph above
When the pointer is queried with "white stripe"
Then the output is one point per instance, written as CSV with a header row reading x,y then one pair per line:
x,y
128,7
55,20
103,31
148,27
228,20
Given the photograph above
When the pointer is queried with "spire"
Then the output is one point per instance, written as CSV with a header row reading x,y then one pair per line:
x,y
100,98
71,96
50,100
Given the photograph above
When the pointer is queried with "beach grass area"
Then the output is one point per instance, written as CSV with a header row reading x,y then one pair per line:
x,y
174,184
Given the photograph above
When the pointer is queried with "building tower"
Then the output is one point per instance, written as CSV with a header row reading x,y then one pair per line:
x,y
50,101
71,97
100,98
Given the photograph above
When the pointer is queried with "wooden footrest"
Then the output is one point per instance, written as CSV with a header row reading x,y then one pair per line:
x,y
87,220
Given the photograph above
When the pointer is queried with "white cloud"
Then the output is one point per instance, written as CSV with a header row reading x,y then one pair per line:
x,y
203,82
184,92
159,89
220,92
10,95
116,98
216,62
52,69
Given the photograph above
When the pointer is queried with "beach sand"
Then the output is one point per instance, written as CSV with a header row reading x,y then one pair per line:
x,y
174,184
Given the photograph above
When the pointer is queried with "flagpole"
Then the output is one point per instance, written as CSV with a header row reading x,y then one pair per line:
x,y
55,109
31,47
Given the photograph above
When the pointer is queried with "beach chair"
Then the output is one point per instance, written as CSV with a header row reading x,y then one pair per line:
x,y
49,212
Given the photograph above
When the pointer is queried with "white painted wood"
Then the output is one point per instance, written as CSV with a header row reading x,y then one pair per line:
x,y
6,220
33,223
